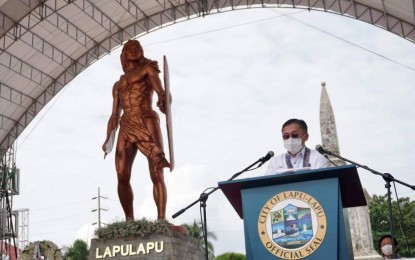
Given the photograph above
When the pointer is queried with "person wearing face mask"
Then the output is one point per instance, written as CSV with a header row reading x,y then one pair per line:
x,y
298,156
385,247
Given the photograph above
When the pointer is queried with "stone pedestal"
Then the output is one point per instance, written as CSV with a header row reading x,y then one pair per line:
x,y
45,248
361,233
169,246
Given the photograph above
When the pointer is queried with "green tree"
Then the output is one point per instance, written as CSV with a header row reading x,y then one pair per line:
x,y
77,251
405,227
196,231
231,256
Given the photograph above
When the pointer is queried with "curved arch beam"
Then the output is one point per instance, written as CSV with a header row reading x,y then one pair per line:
x,y
172,14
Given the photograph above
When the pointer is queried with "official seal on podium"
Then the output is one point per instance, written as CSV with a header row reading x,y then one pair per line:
x,y
292,225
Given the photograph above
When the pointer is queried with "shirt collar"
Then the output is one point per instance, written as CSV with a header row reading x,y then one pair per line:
x,y
300,153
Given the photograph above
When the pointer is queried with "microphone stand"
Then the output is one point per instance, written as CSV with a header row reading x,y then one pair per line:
x,y
388,179
204,197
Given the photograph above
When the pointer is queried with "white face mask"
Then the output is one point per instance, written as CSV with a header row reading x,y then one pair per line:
x,y
293,145
387,250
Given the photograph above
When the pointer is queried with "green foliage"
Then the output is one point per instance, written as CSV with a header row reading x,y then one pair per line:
x,y
231,256
379,217
78,251
136,228
196,231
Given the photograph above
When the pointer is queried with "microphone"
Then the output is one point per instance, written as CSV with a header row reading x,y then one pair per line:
x,y
321,150
266,158
324,152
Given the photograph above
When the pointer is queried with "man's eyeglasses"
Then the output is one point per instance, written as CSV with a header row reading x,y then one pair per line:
x,y
287,136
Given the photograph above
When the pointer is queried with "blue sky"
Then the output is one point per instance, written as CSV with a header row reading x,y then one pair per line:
x,y
235,78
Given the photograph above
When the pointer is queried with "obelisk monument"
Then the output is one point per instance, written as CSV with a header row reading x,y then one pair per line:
x,y
359,219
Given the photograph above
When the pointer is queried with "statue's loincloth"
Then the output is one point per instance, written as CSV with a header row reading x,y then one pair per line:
x,y
133,128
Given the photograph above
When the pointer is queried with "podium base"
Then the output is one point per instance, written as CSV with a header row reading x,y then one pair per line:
x,y
170,246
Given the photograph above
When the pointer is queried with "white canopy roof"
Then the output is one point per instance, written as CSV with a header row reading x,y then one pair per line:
x,y
45,44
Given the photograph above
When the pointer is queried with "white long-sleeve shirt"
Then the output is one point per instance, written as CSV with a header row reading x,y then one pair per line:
x,y
278,164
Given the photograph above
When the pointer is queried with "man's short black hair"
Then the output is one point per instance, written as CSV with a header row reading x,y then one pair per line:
x,y
299,122
385,236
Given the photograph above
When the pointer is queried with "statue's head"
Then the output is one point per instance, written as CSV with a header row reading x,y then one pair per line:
x,y
132,51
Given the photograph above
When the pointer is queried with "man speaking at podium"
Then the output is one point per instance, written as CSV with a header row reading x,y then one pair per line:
x,y
298,156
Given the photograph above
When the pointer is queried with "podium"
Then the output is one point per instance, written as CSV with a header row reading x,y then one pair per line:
x,y
297,215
